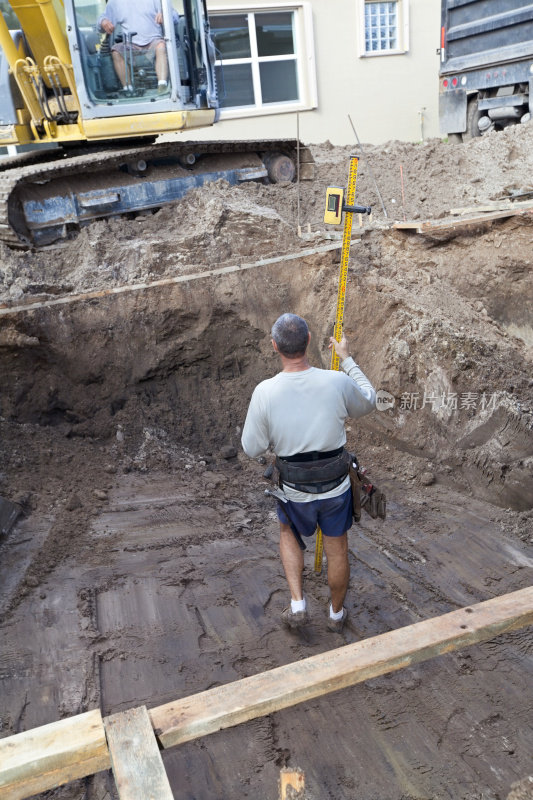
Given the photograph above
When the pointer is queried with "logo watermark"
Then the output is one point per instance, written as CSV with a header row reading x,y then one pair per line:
x,y
448,402
384,400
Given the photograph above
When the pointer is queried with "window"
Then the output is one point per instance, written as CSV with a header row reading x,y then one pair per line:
x,y
260,65
384,27
381,26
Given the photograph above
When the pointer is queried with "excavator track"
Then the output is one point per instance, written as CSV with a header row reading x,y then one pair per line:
x,y
20,173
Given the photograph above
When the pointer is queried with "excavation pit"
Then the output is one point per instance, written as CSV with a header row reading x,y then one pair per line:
x,y
146,569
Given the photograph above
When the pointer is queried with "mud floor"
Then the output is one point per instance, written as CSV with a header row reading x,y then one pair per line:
x,y
145,567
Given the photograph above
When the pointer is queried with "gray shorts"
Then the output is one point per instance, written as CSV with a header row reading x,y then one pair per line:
x,y
147,50
334,515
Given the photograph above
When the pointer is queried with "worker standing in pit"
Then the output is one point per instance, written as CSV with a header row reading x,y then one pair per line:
x,y
300,413
144,19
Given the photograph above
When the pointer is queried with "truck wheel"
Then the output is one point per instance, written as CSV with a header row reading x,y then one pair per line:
x,y
473,115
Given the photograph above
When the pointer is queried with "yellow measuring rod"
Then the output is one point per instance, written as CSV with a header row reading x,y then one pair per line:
x,y
335,206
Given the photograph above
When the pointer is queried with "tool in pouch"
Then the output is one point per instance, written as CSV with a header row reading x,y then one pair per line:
x,y
335,207
270,473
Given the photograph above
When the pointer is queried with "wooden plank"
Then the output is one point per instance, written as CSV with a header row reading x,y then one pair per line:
x,y
291,779
9,513
135,758
504,206
498,205
413,225
162,282
45,757
258,695
307,171
434,226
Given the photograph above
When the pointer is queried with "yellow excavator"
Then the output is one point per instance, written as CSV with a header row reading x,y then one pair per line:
x,y
93,128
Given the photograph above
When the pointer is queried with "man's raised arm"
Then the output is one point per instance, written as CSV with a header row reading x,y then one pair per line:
x,y
363,401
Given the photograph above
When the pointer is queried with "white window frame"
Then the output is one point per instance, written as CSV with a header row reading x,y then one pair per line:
x,y
304,56
403,31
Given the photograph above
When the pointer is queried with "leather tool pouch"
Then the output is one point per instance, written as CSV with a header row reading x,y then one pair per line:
x,y
366,494
356,485
314,476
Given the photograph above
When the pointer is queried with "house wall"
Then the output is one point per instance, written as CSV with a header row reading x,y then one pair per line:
x,y
385,95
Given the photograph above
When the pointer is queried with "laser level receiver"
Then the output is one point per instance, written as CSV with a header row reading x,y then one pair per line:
x,y
334,203
335,206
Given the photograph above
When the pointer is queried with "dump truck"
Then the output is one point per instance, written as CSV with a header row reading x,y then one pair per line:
x,y
93,135
486,66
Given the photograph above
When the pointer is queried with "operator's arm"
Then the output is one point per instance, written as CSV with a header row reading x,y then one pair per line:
x,y
255,439
107,20
363,400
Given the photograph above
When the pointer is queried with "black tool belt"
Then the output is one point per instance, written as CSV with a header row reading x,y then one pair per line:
x,y
314,472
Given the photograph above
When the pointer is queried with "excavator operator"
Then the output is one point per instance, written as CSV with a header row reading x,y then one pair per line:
x,y
142,26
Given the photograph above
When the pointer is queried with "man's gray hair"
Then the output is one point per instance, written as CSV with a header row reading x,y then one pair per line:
x,y
291,334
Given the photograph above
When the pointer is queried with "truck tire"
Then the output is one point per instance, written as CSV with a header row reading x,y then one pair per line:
x,y
473,115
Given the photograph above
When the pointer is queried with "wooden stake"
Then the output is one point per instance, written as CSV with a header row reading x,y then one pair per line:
x,y
135,758
403,194
291,783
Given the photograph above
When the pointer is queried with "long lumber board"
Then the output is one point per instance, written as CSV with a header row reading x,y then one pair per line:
x,y
46,757
497,205
135,757
434,226
97,294
54,754
234,703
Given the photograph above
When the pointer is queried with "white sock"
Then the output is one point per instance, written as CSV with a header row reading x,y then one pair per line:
x,y
297,605
336,615
129,88
161,83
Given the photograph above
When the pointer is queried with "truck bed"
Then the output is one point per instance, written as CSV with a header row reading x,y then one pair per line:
x,y
480,33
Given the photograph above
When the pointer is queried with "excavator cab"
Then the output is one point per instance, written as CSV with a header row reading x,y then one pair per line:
x,y
188,51
63,79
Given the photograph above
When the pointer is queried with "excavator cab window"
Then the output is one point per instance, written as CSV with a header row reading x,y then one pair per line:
x,y
142,59
119,62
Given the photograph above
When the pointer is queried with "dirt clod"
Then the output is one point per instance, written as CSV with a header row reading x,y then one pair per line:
x,y
427,478
228,451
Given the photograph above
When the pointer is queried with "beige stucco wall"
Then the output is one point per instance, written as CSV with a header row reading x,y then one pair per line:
x,y
383,94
